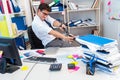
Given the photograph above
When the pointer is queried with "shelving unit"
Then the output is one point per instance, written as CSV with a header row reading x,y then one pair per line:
x,y
8,19
7,27
83,13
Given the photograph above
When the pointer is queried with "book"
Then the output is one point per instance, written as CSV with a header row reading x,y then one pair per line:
x,y
9,6
1,7
15,6
95,4
4,28
14,29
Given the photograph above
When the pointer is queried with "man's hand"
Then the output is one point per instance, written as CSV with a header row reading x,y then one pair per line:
x,y
63,27
69,38
71,35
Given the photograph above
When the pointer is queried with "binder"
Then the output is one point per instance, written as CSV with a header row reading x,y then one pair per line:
x,y
15,6
9,6
95,43
1,7
4,28
56,1
20,22
57,7
96,40
20,42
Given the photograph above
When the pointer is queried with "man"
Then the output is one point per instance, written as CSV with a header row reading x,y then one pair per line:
x,y
48,36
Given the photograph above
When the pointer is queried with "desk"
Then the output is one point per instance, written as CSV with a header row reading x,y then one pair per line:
x,y
19,74
41,71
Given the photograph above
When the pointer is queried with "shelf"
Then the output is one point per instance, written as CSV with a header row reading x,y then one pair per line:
x,y
18,13
19,33
84,26
84,9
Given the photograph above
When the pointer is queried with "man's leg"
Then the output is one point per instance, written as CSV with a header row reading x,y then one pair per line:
x,y
58,43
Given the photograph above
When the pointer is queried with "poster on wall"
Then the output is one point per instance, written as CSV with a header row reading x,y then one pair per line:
x,y
114,9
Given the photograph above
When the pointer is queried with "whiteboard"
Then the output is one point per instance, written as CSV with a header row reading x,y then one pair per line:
x,y
115,9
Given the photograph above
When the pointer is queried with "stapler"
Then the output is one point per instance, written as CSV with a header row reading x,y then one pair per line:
x,y
90,67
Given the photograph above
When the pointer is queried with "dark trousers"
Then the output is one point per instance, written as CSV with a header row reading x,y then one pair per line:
x,y
58,43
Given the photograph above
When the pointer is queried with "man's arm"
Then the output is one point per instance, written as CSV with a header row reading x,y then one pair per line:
x,y
61,36
56,23
59,25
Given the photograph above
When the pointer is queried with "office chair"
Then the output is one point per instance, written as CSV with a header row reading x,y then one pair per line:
x,y
34,41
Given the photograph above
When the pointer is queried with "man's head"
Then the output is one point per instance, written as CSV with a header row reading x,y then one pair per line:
x,y
43,10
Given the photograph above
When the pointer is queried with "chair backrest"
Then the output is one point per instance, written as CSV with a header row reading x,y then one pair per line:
x,y
34,41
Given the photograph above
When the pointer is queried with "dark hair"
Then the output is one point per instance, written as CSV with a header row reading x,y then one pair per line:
x,y
44,6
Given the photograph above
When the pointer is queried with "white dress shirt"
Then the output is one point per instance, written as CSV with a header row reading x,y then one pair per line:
x,y
41,29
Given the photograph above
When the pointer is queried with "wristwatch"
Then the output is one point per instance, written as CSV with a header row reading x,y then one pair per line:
x,y
60,25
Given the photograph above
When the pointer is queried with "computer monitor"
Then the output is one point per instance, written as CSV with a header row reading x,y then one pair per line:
x,y
10,60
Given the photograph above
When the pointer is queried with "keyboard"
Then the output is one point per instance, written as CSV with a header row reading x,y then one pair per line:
x,y
40,59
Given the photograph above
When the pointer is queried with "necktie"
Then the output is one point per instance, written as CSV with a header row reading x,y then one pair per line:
x,y
49,24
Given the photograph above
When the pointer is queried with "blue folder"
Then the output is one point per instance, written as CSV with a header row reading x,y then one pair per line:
x,y
20,41
20,22
57,7
98,40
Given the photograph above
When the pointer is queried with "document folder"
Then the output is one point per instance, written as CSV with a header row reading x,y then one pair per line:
x,y
94,42
98,40
4,28
20,22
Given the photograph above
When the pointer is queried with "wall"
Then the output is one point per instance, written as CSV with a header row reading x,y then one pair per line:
x,y
111,28
28,14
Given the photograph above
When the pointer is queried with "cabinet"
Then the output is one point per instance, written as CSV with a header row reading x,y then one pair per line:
x,y
83,16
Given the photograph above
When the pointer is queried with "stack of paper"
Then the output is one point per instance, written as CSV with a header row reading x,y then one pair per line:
x,y
103,48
